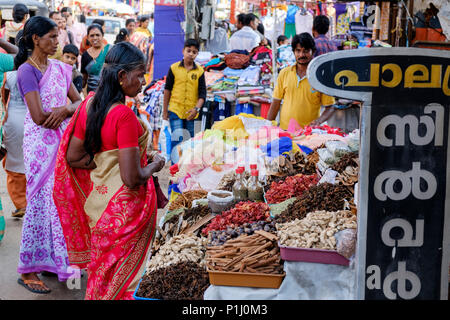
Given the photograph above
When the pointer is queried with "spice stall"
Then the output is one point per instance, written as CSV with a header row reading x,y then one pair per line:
x,y
259,212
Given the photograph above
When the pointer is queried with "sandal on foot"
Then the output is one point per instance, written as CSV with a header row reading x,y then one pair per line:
x,y
26,283
19,213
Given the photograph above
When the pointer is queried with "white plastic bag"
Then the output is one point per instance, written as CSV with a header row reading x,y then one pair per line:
x,y
326,156
219,203
165,140
337,148
329,177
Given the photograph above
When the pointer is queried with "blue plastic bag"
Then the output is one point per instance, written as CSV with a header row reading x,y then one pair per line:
x,y
276,147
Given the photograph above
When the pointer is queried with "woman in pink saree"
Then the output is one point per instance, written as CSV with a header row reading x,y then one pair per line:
x,y
45,86
104,190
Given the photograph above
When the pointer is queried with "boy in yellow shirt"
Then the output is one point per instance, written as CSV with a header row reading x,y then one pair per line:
x,y
184,93
300,101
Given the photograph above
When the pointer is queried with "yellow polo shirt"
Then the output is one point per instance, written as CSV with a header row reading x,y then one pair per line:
x,y
300,101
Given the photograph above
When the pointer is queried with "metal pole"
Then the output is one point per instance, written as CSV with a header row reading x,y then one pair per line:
x,y
274,44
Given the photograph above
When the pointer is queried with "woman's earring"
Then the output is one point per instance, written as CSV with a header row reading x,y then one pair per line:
x,y
121,83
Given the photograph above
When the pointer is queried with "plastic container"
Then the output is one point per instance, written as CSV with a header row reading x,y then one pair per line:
x,y
218,203
312,255
241,279
136,297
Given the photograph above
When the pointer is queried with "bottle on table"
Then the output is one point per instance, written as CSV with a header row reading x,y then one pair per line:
x,y
240,192
255,188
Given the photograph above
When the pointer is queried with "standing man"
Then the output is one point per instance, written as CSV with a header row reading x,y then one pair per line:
x,y
246,38
300,101
321,24
77,29
240,21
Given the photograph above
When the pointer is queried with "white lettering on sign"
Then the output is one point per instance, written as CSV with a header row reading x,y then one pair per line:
x,y
435,131
410,182
401,276
374,280
407,240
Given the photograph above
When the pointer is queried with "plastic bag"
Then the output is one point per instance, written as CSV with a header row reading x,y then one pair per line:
x,y
165,140
329,177
220,200
346,242
326,156
337,148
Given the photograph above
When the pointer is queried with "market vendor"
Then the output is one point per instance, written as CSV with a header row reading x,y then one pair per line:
x,y
300,101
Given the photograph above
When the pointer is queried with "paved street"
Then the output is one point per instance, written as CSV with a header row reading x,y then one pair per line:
x,y
9,252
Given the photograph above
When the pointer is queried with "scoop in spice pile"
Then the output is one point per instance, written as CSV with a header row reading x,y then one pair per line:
x,y
182,281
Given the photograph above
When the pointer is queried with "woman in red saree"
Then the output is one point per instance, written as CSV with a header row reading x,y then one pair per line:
x,y
104,190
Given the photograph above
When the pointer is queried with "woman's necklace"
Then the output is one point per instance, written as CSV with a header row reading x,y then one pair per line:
x,y
36,65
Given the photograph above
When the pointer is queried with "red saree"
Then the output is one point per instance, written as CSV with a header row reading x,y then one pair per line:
x,y
107,226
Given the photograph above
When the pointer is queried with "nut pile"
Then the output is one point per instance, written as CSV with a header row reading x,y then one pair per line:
x,y
317,230
258,253
325,196
178,249
219,237
185,199
182,281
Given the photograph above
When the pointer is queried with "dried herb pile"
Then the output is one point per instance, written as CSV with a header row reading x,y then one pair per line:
x,y
325,196
182,281
185,199
349,159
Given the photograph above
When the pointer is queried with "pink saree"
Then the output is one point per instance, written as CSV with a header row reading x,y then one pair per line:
x,y
108,227
42,246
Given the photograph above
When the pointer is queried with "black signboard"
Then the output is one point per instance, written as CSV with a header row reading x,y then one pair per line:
x,y
403,210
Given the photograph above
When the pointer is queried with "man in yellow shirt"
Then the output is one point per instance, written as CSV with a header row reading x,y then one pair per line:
x,y
300,101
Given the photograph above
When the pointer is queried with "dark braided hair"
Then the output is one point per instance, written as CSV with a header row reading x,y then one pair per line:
x,y
122,56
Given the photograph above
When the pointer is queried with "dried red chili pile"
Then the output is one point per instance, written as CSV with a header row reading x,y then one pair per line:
x,y
291,187
243,212
325,196
181,281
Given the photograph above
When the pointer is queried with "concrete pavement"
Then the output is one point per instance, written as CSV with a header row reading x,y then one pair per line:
x,y
9,253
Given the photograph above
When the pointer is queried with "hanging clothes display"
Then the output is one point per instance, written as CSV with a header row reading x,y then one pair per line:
x,y
303,21
289,29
